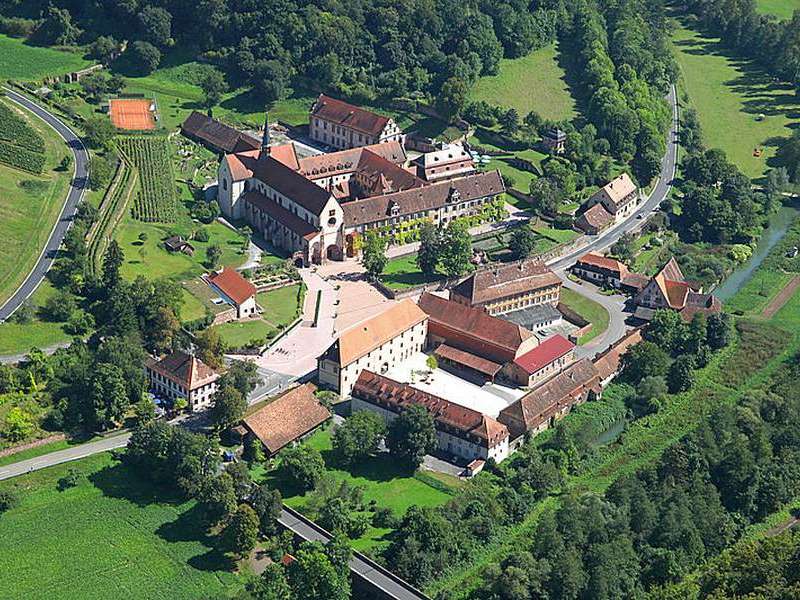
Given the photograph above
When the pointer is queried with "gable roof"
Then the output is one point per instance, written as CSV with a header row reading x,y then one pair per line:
x,y
545,353
602,262
537,406
291,184
396,396
423,198
608,363
184,369
348,115
285,217
232,284
616,190
449,153
596,217
287,418
285,154
345,161
473,329
363,338
217,134
503,281
468,359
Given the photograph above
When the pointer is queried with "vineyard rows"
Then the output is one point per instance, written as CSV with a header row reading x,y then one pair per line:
x,y
21,146
112,208
155,200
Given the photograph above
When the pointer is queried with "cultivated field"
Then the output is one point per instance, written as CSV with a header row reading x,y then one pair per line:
x,y
20,61
534,82
151,155
114,535
729,94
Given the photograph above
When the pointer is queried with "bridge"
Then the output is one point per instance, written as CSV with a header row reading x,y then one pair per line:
x,y
369,577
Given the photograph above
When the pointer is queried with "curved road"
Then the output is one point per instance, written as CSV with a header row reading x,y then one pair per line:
x,y
615,304
74,196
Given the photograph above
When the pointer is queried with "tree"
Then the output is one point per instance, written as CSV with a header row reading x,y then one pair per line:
x,y
522,242
649,396
100,172
228,408
456,249
268,504
429,248
432,363
213,85
302,466
452,99
213,256
65,163
681,374
210,347
316,574
144,57
242,375
217,498
103,48
509,121
108,397
253,451
374,254
623,248
272,585
668,330
411,436
719,327
8,500
241,533
18,424
98,131
644,359
271,79
547,196
113,258
358,437
155,25
57,28
60,306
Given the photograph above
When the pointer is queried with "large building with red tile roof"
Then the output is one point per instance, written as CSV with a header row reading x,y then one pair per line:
x,y
501,289
619,196
336,123
460,431
183,376
235,290
291,416
669,289
550,357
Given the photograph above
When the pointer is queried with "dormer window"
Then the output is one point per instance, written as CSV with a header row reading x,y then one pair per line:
x,y
394,208
454,195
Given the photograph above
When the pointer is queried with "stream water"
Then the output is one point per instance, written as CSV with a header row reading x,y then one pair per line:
x,y
779,224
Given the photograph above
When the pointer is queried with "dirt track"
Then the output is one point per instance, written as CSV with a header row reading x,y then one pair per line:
x,y
782,298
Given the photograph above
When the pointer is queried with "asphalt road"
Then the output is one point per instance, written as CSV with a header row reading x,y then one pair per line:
x,y
75,195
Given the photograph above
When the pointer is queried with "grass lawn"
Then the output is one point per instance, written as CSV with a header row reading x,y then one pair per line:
x,y
557,235
782,9
237,334
19,60
403,272
382,481
533,82
729,93
279,306
589,310
150,259
122,537
19,339
29,207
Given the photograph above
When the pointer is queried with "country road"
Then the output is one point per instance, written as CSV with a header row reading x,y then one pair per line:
x,y
74,196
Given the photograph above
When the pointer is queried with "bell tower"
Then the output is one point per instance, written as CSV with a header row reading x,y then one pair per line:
x,y
265,140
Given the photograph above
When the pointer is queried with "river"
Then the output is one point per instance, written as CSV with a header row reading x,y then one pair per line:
x,y
779,224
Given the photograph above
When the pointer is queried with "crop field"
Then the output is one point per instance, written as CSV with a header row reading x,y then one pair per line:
x,y
782,9
114,535
730,95
534,82
21,146
155,200
21,61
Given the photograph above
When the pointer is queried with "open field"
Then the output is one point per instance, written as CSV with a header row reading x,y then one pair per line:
x,y
19,60
383,482
589,310
534,82
17,338
279,306
29,207
403,272
237,334
729,94
123,538
782,9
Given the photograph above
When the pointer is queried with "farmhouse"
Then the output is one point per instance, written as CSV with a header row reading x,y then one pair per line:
x,y
669,289
319,207
510,287
235,290
460,431
619,196
470,341
377,344
288,418
594,220
600,269
216,136
543,406
342,125
181,375
539,364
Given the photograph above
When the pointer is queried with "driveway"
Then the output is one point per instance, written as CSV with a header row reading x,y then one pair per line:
x,y
74,196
